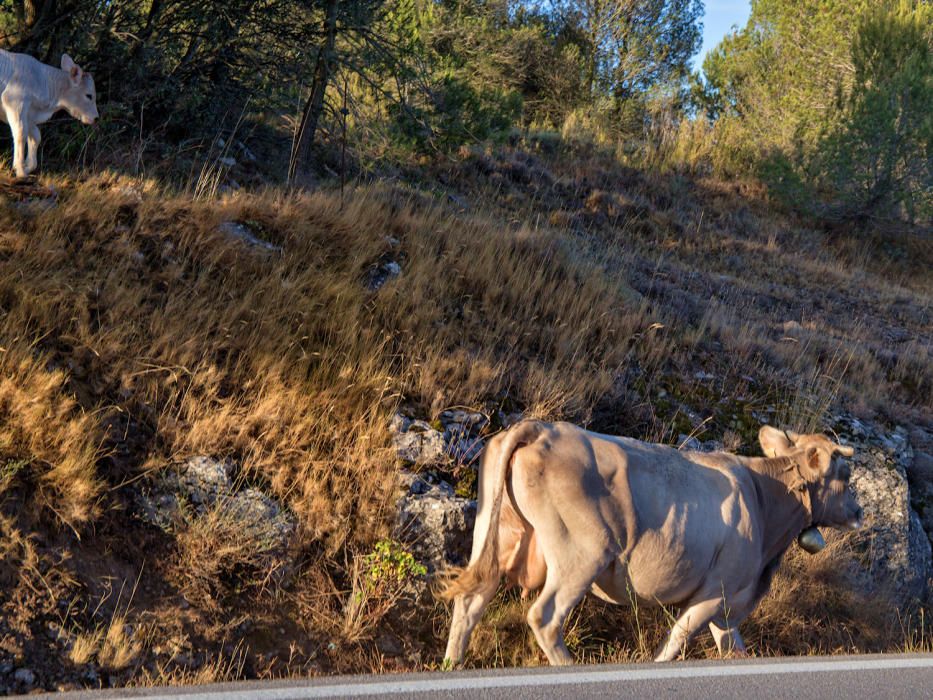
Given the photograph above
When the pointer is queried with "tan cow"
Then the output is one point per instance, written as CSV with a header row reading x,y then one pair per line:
x,y
574,512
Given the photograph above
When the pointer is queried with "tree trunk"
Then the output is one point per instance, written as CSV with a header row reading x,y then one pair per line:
x,y
314,107
594,17
140,40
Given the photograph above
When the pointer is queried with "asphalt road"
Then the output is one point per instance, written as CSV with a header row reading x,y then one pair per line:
x,y
887,676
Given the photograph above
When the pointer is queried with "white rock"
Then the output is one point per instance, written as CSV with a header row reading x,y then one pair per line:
x,y
242,233
205,483
399,423
437,525
897,552
378,276
420,447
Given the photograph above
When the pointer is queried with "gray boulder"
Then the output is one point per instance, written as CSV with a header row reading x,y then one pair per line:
x,y
417,442
199,484
378,275
241,233
432,520
896,556
920,477
24,676
436,524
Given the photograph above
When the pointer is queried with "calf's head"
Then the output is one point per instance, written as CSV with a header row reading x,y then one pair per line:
x,y
80,96
822,465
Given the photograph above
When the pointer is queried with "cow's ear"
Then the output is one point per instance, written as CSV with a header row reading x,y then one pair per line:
x,y
774,442
817,460
71,68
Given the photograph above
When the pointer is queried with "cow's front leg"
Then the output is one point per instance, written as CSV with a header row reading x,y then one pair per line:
x,y
33,139
19,144
727,638
690,620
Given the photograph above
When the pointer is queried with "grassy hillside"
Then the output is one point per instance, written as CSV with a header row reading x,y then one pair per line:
x,y
136,331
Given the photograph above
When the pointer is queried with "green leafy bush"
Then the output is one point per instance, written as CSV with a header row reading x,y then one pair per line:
x,y
390,563
879,161
380,580
830,102
457,113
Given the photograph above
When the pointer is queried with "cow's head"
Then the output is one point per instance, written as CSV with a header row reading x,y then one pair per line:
x,y
821,464
80,97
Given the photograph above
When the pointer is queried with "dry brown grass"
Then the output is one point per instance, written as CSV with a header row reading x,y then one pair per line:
x,y
18,554
44,431
134,333
113,647
217,557
141,316
225,666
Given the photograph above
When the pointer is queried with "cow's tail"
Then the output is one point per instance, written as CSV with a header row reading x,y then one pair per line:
x,y
484,569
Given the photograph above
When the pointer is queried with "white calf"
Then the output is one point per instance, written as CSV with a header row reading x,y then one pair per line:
x,y
31,92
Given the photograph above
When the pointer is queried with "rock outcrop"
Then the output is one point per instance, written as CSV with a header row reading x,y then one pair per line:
x,y
920,478
199,484
242,233
433,520
436,524
896,556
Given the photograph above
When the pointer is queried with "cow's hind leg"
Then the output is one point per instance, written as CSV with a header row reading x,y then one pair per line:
x,y
468,610
727,638
563,589
690,620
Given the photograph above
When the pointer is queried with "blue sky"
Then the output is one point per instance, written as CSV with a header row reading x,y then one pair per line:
x,y
719,18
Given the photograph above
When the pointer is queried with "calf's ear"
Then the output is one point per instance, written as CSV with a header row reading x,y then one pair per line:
x,y
774,442
71,68
845,450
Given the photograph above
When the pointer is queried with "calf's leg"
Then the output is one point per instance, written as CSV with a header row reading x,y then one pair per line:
x,y
32,159
19,143
468,610
691,619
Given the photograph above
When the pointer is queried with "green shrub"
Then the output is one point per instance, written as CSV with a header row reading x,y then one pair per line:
x,y
390,563
458,113
878,163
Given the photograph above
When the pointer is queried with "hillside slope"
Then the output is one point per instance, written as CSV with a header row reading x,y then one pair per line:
x,y
281,331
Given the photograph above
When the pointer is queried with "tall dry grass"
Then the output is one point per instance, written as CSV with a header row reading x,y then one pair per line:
x,y
136,332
